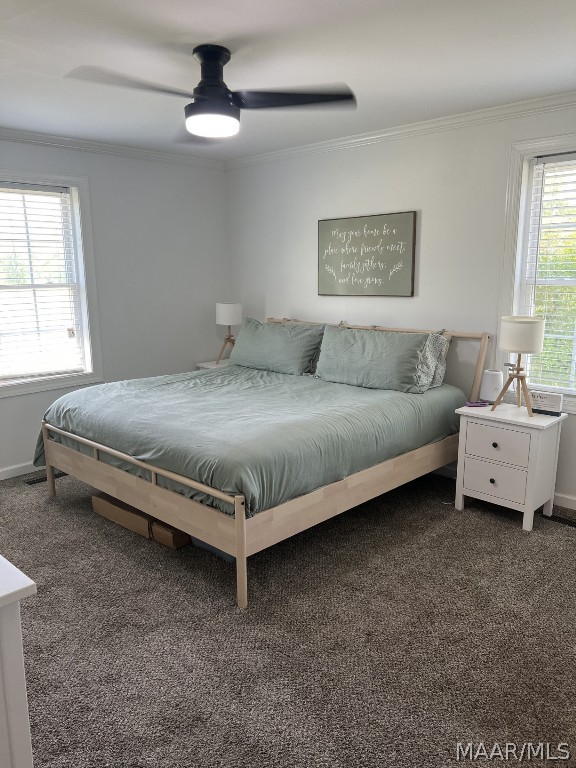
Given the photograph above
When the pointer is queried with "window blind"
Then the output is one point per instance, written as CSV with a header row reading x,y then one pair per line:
x,y
548,270
41,328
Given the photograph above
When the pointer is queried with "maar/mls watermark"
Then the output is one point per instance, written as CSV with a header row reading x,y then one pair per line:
x,y
509,750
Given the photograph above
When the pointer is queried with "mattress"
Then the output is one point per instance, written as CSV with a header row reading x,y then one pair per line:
x,y
269,436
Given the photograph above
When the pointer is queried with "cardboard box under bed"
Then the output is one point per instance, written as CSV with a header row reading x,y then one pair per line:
x,y
147,526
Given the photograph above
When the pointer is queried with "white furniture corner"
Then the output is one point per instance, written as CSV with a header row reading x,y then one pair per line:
x,y
213,364
15,744
509,458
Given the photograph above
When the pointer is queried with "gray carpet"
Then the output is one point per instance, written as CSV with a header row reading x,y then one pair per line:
x,y
379,639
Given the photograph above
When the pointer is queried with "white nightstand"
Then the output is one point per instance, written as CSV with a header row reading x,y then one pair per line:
x,y
213,364
508,458
15,745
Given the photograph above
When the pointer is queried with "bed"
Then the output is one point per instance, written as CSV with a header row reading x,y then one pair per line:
x,y
242,457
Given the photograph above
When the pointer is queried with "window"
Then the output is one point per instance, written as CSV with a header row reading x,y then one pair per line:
x,y
546,268
45,338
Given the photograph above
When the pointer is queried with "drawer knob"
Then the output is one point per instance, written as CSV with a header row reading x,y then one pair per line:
x,y
494,445
492,480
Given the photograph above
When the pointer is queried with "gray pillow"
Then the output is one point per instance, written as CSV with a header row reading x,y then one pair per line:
x,y
275,347
377,359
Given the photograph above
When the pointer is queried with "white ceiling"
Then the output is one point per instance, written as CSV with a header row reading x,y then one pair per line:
x,y
406,61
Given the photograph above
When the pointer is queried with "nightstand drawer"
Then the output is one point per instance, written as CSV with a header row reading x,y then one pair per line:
x,y
508,445
495,480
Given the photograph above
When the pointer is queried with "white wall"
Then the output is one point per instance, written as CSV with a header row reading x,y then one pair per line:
x,y
456,179
160,266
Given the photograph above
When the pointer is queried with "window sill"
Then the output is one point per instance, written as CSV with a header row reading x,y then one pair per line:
x,y
69,381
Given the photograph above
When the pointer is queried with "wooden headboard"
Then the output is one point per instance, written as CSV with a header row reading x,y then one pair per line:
x,y
453,365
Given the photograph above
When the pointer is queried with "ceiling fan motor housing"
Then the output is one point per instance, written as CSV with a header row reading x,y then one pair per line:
x,y
212,98
212,59
208,104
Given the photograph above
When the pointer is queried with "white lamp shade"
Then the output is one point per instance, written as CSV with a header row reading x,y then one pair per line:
x,y
521,334
228,314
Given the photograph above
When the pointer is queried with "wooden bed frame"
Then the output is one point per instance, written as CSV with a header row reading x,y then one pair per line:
x,y
240,536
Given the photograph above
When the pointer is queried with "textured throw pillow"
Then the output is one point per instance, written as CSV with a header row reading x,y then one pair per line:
x,y
275,347
437,347
377,359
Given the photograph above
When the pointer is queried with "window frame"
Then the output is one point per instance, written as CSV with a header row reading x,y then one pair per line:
x,y
521,156
84,255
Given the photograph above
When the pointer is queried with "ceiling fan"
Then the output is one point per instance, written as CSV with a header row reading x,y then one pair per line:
x,y
214,111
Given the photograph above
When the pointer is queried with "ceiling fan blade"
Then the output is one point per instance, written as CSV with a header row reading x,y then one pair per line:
x,y
271,99
108,77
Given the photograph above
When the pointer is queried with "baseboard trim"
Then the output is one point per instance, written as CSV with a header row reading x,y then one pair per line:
x,y
565,500
18,469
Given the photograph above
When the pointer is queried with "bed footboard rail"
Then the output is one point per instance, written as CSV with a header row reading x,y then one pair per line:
x,y
98,448
208,524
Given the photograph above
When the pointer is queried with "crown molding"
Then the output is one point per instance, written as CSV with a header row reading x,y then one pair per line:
x,y
464,119
451,122
82,145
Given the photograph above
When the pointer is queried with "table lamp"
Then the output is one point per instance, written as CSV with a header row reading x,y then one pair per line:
x,y
520,335
228,314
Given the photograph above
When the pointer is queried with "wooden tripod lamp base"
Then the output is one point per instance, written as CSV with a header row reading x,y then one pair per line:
x,y
228,339
516,374
229,315
522,335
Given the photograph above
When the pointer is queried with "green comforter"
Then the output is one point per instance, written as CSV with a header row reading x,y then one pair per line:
x,y
269,436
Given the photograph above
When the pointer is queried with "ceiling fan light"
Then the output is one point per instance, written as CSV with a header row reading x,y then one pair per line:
x,y
212,126
217,121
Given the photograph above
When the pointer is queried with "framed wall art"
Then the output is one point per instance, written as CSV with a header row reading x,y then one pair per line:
x,y
367,255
